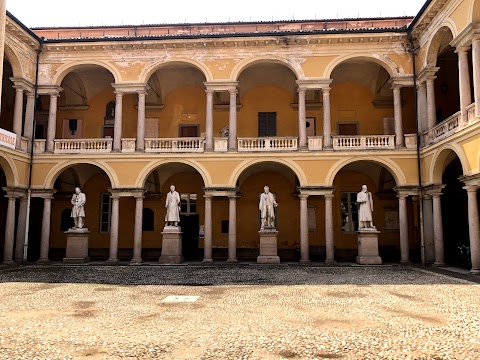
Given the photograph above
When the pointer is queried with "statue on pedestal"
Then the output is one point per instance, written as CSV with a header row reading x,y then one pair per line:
x,y
172,204
78,211
365,209
267,207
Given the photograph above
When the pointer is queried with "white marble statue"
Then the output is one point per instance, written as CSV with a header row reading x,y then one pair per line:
x,y
267,207
172,204
78,210
365,209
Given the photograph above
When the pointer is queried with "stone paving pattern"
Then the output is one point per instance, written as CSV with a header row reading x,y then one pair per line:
x,y
244,312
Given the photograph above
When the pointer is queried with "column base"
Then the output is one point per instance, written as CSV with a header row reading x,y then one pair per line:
x,y
401,146
305,262
208,149
136,262
77,246
171,246
42,261
262,259
405,262
139,150
232,261
207,261
369,260
330,262
437,264
112,261
475,271
7,262
303,148
116,151
75,261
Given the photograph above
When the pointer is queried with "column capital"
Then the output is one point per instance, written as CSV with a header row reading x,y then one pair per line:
x,y
434,190
221,191
43,193
233,91
131,88
221,85
20,83
303,196
401,81
470,180
463,49
421,85
119,93
302,90
316,190
50,90
427,74
15,192
328,196
314,84
407,190
471,188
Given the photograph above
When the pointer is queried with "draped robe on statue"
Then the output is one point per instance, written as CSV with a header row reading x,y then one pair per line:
x,y
173,207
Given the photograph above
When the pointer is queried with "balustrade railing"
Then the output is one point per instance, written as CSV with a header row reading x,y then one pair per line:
x,y
175,145
471,113
268,144
410,141
220,144
363,142
82,145
39,146
315,143
128,145
446,127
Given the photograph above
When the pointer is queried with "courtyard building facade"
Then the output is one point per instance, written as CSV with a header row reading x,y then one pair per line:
x,y
312,109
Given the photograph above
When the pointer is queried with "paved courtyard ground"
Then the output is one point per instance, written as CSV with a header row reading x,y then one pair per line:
x,y
242,312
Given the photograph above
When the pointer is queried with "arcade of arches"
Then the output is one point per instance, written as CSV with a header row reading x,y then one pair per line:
x,y
222,119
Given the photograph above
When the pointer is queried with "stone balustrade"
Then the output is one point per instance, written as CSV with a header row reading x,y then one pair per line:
x,y
364,142
82,146
220,144
315,143
411,141
445,128
128,145
175,145
263,144
24,144
471,113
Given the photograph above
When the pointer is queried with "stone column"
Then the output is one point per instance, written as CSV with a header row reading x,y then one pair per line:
x,y
431,107
302,121
21,228
18,115
9,230
207,247
429,243
397,105
232,229
29,116
232,123
117,130
402,214
140,144
330,250
3,17
476,74
113,256
45,240
52,123
422,107
473,227
209,121
464,82
304,245
327,129
438,229
137,235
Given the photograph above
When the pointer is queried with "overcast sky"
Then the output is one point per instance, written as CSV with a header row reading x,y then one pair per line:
x,y
35,13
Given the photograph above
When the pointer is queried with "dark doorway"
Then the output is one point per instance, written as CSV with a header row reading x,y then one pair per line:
x,y
188,130
455,216
35,228
190,227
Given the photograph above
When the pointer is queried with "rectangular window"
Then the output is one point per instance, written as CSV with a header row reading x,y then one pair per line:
x,y
267,124
105,212
188,204
347,129
349,212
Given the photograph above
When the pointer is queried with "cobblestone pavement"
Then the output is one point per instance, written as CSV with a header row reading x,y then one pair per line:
x,y
243,312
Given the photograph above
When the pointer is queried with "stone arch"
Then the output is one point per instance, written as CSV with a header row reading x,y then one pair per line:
x,y
10,171
388,64
149,71
81,87
394,169
64,69
244,64
436,42
248,163
59,168
14,61
440,159
143,175
474,14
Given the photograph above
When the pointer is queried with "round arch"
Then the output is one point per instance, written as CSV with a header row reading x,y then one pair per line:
x,y
14,61
59,168
388,64
439,162
248,163
244,64
436,41
143,175
10,171
149,71
394,169
64,69
474,12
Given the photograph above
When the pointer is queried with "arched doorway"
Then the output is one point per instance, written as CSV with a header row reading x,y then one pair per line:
x,y
188,183
381,182
283,183
95,184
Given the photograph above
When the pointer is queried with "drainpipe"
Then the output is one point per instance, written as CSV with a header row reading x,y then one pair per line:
x,y
412,51
30,168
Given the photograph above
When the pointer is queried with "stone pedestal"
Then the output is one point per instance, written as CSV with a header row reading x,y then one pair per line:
x,y
77,246
171,245
268,247
368,247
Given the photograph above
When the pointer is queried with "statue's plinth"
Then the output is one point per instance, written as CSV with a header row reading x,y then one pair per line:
x,y
171,245
77,246
368,247
268,247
